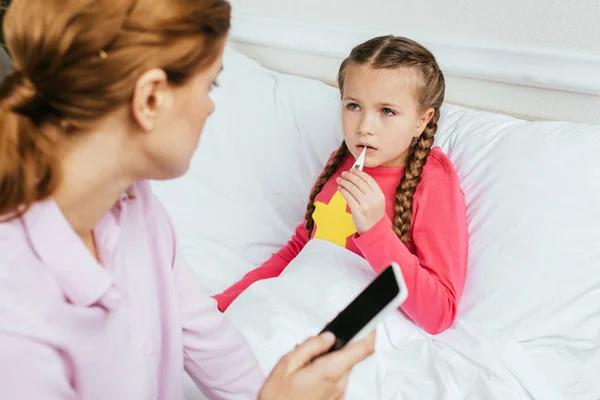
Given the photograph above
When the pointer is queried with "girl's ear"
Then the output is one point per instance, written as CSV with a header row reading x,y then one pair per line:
x,y
423,121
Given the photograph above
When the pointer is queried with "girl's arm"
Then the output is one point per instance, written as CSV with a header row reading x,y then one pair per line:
x,y
272,268
435,276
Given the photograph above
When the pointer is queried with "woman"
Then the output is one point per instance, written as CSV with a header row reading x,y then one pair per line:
x,y
96,300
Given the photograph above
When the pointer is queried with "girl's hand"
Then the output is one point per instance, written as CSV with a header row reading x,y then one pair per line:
x,y
365,198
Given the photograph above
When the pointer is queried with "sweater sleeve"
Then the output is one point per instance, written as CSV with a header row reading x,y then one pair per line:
x,y
271,268
435,276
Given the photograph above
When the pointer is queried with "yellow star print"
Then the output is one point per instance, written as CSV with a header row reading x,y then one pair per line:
x,y
333,223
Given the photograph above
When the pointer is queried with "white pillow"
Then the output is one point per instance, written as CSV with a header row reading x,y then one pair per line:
x,y
533,202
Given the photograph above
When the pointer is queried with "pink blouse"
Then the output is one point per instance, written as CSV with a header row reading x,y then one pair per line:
x,y
125,328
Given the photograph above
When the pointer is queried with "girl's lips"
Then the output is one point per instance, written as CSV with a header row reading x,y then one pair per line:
x,y
370,149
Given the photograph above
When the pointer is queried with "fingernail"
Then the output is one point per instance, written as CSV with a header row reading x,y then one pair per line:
x,y
328,336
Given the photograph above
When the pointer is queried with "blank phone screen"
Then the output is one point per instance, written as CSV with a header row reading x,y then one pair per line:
x,y
364,308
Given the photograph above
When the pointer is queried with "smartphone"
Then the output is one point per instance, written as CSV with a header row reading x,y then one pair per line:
x,y
384,294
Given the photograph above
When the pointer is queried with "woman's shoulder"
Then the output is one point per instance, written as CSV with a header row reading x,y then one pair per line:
x,y
28,292
20,265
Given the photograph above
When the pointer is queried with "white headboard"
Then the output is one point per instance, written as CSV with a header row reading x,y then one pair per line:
x,y
535,84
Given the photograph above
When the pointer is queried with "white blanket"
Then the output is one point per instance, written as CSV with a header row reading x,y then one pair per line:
x,y
465,362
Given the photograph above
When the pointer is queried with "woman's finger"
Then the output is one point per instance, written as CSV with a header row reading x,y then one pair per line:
x,y
307,351
345,359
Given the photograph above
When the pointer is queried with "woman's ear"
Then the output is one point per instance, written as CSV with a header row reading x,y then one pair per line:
x,y
423,121
149,97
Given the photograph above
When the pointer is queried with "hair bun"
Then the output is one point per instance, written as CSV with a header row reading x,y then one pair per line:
x,y
18,93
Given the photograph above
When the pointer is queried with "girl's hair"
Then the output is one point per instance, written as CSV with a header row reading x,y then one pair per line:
x,y
75,61
390,52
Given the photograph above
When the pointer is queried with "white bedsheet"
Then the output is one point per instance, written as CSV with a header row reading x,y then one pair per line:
x,y
465,362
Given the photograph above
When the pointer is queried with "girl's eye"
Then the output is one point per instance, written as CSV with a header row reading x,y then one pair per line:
x,y
213,85
353,107
388,112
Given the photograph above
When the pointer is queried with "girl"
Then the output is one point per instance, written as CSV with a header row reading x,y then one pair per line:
x,y
406,205
96,300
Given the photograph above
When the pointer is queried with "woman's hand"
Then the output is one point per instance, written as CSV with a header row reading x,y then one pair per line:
x,y
365,198
295,377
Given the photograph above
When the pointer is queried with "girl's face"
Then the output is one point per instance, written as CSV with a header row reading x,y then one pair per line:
x,y
380,111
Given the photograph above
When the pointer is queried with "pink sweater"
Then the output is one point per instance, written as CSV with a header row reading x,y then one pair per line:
x,y
434,262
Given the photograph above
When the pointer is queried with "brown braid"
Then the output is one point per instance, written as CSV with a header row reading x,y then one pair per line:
x,y
391,52
329,170
405,192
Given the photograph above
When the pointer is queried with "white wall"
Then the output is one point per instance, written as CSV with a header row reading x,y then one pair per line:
x,y
571,26
548,24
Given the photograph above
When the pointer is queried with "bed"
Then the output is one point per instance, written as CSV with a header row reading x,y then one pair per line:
x,y
529,320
